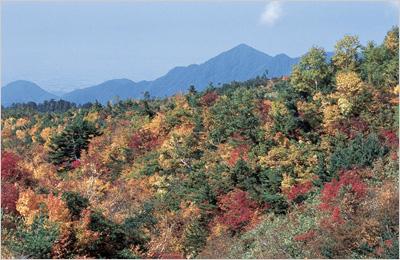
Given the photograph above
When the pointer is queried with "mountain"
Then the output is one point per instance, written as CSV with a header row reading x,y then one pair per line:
x,y
237,64
108,90
22,91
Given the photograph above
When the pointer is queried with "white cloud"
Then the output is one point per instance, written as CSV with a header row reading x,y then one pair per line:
x,y
272,12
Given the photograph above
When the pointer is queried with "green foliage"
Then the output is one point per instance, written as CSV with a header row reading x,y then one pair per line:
x,y
114,238
274,237
195,238
380,63
35,241
75,203
358,152
346,53
67,146
234,114
312,73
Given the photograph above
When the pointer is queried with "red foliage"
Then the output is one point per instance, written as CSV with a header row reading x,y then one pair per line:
x,y
237,153
10,170
348,179
75,164
352,127
299,189
9,167
348,182
336,218
237,209
9,197
389,243
143,141
390,138
307,236
209,98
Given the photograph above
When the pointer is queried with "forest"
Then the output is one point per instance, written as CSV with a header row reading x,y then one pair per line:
x,y
304,166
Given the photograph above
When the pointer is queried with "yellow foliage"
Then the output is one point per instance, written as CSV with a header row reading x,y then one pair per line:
x,y
157,124
20,134
331,116
92,116
287,182
57,209
392,41
45,135
21,122
344,105
301,160
28,205
349,83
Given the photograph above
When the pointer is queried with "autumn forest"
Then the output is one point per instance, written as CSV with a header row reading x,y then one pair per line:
x,y
303,166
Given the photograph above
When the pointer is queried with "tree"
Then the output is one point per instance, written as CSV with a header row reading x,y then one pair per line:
x,y
67,146
237,209
346,54
312,73
380,63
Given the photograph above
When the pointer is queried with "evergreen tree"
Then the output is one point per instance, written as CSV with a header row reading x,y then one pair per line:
x,y
67,146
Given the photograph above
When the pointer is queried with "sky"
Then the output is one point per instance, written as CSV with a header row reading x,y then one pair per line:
x,y
63,46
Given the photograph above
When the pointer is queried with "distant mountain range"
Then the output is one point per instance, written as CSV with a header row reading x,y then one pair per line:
x,y
237,64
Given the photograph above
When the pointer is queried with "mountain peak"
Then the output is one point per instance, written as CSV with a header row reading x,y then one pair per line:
x,y
243,47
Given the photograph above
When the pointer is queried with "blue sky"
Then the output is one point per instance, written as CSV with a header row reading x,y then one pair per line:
x,y
69,45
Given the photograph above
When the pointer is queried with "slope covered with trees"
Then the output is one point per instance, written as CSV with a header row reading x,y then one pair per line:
x,y
300,167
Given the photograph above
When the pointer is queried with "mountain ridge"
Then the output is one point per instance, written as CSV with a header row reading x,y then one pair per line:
x,y
239,63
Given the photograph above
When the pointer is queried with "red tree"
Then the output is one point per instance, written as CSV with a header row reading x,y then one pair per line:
x,y
10,172
143,141
209,98
238,209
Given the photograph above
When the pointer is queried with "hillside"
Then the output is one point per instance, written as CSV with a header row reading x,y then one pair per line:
x,y
300,167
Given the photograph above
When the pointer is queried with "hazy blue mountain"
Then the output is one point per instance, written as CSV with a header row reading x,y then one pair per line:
x,y
22,91
237,64
108,90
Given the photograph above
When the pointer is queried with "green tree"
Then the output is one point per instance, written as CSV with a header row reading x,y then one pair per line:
x,y
347,53
380,64
67,146
312,73
235,114
35,241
